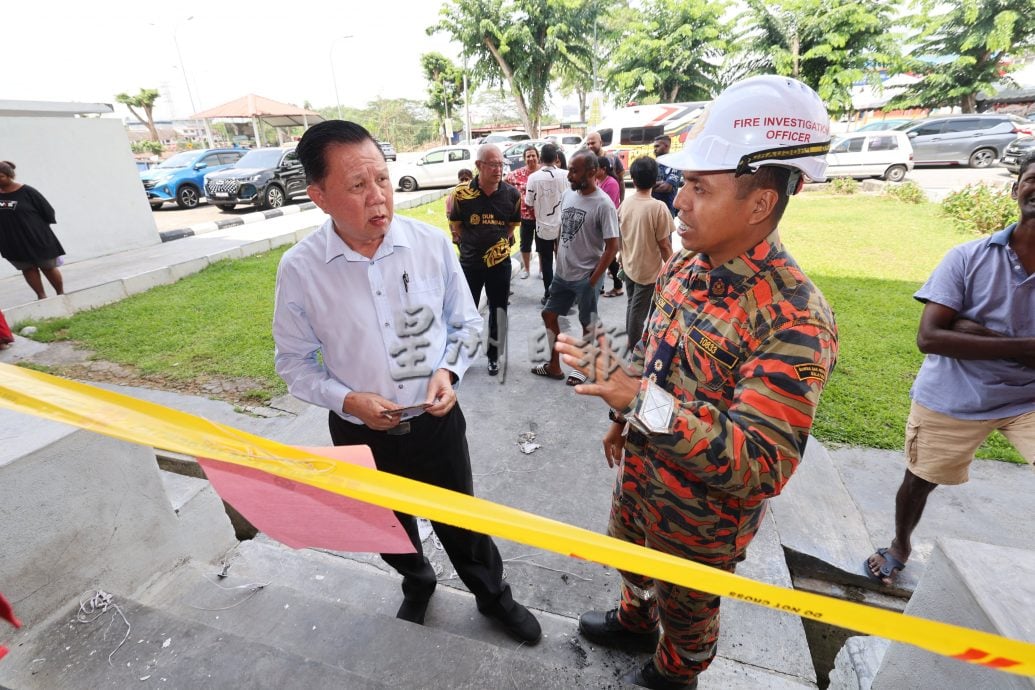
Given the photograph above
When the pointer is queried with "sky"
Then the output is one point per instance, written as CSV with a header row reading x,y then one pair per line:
x,y
89,52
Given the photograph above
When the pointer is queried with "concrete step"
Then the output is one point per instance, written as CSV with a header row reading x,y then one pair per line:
x,y
76,509
378,646
994,507
857,663
164,651
976,585
758,648
201,515
821,528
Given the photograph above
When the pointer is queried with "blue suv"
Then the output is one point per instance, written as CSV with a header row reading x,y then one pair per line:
x,y
181,178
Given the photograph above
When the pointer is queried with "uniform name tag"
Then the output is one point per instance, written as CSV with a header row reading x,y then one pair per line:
x,y
664,306
713,349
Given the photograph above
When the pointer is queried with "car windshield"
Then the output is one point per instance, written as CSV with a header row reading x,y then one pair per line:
x,y
180,160
260,158
906,125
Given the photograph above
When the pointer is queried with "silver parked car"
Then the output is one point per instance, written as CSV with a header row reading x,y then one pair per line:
x,y
974,140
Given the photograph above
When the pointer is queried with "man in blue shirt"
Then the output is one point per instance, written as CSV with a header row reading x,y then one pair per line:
x,y
383,302
669,179
978,332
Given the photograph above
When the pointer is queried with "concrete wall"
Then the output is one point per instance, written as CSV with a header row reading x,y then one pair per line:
x,y
85,169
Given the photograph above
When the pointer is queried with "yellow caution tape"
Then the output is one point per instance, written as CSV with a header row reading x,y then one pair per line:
x,y
141,422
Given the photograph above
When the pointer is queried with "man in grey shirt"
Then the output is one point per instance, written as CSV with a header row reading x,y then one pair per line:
x,y
587,244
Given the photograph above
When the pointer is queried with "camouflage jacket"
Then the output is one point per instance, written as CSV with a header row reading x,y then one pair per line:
x,y
733,362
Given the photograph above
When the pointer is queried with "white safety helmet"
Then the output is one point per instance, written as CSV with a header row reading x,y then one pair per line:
x,y
766,120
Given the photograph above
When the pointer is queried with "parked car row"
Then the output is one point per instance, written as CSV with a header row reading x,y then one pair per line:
x,y
180,178
976,140
264,178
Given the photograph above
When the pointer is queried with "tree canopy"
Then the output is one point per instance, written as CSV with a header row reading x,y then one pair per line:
x,y
962,46
445,88
146,100
669,51
828,44
518,43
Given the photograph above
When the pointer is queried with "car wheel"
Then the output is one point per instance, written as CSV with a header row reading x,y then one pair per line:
x,y
408,184
273,198
982,158
226,207
188,196
895,173
156,206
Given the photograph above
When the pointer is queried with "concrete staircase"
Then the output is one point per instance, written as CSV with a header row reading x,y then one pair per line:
x,y
81,513
84,514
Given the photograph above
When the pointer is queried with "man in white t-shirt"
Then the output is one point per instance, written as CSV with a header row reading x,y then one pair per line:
x,y
543,193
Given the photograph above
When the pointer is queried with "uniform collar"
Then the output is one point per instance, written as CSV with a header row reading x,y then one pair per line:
x,y
721,280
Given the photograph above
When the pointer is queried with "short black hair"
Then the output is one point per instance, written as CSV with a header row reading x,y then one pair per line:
x,y
663,137
644,172
604,163
589,156
313,145
549,154
1026,163
772,177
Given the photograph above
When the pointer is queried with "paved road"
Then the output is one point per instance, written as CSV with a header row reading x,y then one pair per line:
x,y
171,217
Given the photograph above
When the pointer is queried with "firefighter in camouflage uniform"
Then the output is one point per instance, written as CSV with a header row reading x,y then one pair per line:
x,y
712,415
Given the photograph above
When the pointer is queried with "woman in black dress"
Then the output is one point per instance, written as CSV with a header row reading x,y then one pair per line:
x,y
26,239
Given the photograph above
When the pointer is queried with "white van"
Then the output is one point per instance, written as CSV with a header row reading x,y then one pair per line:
x,y
886,154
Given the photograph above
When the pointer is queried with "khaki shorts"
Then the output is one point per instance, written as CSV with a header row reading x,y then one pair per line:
x,y
940,448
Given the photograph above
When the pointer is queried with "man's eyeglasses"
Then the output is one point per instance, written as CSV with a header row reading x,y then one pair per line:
x,y
491,165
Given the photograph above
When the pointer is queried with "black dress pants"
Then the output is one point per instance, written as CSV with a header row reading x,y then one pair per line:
x,y
435,452
496,281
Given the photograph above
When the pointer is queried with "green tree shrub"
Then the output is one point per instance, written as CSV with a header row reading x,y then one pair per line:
x,y
146,146
908,191
981,208
844,185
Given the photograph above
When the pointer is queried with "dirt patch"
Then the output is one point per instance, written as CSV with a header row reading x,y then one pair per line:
x,y
65,359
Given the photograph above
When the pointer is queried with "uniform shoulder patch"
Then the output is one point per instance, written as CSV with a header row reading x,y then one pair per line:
x,y
816,372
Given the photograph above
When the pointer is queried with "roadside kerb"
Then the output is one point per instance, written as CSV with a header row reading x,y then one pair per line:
x,y
258,216
144,278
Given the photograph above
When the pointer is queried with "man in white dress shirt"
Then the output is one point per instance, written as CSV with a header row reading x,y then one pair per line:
x,y
383,301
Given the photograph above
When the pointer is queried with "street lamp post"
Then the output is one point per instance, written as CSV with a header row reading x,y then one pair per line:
x,y
334,75
186,80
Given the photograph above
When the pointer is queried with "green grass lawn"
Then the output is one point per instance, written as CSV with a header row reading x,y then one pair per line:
x,y
867,254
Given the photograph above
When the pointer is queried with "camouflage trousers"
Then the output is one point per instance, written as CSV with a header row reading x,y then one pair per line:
x,y
652,508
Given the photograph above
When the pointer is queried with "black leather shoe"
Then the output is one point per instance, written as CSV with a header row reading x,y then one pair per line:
x,y
604,628
413,610
494,368
649,677
518,622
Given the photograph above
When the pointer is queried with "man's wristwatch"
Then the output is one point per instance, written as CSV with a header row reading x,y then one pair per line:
x,y
615,417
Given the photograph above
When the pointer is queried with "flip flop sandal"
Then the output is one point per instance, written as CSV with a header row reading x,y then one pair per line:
x,y
575,378
888,569
541,370
613,293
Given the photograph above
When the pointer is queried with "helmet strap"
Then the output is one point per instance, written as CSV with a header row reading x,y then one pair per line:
x,y
781,153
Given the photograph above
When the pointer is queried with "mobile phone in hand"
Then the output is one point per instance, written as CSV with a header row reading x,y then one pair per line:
x,y
413,409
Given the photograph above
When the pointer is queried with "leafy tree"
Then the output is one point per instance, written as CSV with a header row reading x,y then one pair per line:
x,y
146,100
828,44
517,43
445,88
146,146
579,74
407,123
668,51
972,37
